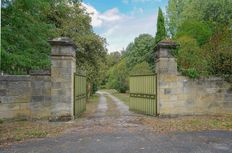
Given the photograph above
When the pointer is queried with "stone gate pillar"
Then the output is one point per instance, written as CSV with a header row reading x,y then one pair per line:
x,y
63,67
166,69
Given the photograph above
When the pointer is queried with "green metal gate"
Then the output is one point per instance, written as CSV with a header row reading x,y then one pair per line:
x,y
79,94
143,94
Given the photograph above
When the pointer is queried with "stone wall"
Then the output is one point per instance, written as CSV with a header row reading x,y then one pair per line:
x,y
40,104
42,94
25,96
179,95
15,96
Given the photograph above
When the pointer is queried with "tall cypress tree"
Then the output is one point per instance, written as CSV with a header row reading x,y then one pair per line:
x,y
161,31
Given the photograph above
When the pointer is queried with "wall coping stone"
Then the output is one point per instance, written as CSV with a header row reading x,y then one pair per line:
x,y
167,44
15,78
40,72
62,41
210,78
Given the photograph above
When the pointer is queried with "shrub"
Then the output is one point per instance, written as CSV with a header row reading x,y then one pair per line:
x,y
219,53
1,121
190,58
200,31
141,68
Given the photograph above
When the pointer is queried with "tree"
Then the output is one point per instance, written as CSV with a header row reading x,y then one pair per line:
x,y
161,31
135,60
195,29
141,68
113,58
142,49
118,77
213,12
209,24
190,58
27,25
174,11
218,51
24,36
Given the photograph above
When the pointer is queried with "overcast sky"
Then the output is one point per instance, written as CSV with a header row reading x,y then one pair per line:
x,y
120,21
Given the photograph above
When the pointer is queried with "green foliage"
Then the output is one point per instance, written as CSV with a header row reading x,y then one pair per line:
x,y
209,24
142,49
141,68
1,121
113,58
24,36
191,72
190,58
218,51
138,58
18,138
27,25
213,12
36,134
161,31
174,11
195,29
118,77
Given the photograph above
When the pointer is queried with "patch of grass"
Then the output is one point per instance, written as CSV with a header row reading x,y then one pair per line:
x,y
18,138
111,91
124,97
195,122
36,134
1,121
91,106
188,123
12,131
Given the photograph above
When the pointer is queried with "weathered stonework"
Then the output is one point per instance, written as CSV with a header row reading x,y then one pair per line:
x,y
15,96
179,95
25,96
63,58
42,94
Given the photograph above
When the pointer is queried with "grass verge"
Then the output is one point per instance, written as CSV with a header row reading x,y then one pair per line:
x,y
91,106
124,97
15,131
188,123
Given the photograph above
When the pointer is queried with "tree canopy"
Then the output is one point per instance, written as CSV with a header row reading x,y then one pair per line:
x,y
27,25
161,31
204,31
138,58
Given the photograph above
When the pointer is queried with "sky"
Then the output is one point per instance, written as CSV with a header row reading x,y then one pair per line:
x,y
120,21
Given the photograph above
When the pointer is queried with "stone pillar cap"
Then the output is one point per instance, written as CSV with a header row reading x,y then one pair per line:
x,y
167,43
62,41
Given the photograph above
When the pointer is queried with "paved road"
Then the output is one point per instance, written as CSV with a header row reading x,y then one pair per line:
x,y
120,133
